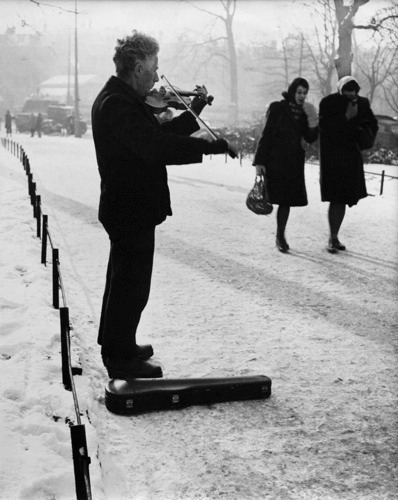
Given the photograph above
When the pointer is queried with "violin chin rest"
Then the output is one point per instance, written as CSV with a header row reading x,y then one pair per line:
x,y
155,102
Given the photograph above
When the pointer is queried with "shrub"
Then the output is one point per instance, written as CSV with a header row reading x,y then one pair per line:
x,y
381,155
245,140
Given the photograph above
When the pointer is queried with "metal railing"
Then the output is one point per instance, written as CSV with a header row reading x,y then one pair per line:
x,y
81,459
383,176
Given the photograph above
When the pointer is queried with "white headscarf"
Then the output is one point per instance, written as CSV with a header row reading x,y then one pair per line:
x,y
343,81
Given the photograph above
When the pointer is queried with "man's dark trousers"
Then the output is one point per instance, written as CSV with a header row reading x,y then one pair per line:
x,y
128,282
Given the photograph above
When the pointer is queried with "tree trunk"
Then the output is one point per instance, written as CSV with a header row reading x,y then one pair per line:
x,y
345,14
234,105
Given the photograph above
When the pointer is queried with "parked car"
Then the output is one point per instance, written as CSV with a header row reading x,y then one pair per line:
x,y
57,118
63,116
31,105
387,136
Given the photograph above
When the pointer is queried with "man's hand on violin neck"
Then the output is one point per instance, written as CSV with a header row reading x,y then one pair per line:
x,y
200,99
201,91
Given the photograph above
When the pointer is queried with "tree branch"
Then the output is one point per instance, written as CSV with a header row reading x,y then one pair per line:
x,y
375,26
204,10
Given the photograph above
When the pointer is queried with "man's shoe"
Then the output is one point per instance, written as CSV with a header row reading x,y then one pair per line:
x,y
282,245
132,368
144,352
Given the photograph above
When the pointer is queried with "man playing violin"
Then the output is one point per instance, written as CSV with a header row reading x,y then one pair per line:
x,y
132,150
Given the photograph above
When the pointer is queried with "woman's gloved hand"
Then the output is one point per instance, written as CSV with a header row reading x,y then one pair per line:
x,y
260,170
311,113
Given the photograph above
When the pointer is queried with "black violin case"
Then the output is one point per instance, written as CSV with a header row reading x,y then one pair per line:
x,y
129,397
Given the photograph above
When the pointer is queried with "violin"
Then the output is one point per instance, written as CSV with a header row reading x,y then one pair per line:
x,y
231,151
160,100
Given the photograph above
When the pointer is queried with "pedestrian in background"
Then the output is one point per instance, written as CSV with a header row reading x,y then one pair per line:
x,y
32,124
280,154
8,123
347,126
39,124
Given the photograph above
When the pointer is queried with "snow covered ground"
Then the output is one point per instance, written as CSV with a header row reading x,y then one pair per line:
x,y
224,302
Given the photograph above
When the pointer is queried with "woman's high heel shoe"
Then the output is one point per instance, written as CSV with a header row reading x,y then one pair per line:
x,y
282,245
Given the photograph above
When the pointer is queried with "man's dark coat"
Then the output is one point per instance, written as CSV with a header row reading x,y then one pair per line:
x,y
281,152
132,151
342,175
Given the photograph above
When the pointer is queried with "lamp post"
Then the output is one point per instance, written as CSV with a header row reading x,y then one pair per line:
x,y
68,96
77,114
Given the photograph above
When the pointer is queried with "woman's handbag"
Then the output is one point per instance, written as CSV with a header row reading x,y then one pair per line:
x,y
257,200
365,137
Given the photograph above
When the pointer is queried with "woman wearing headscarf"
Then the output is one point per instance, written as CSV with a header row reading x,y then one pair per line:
x,y
347,126
280,156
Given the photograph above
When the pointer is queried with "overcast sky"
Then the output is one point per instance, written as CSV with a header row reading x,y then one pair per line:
x,y
255,19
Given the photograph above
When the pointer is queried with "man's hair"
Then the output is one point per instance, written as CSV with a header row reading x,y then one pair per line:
x,y
132,49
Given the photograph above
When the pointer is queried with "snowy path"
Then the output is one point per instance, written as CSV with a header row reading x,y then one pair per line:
x,y
224,302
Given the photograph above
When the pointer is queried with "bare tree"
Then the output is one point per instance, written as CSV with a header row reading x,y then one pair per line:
x,y
377,65
321,49
345,14
333,36
383,22
227,53
276,66
391,91
294,56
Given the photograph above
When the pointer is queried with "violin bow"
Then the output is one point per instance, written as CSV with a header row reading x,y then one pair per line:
x,y
231,152
189,109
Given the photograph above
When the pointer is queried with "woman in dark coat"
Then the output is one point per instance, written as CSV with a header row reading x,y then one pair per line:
x,y
347,125
280,154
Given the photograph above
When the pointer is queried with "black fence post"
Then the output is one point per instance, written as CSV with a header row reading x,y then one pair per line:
x,y
44,241
81,462
65,327
33,198
30,180
38,216
382,181
55,279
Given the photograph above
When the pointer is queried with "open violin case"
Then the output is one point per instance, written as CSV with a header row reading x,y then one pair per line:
x,y
129,397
